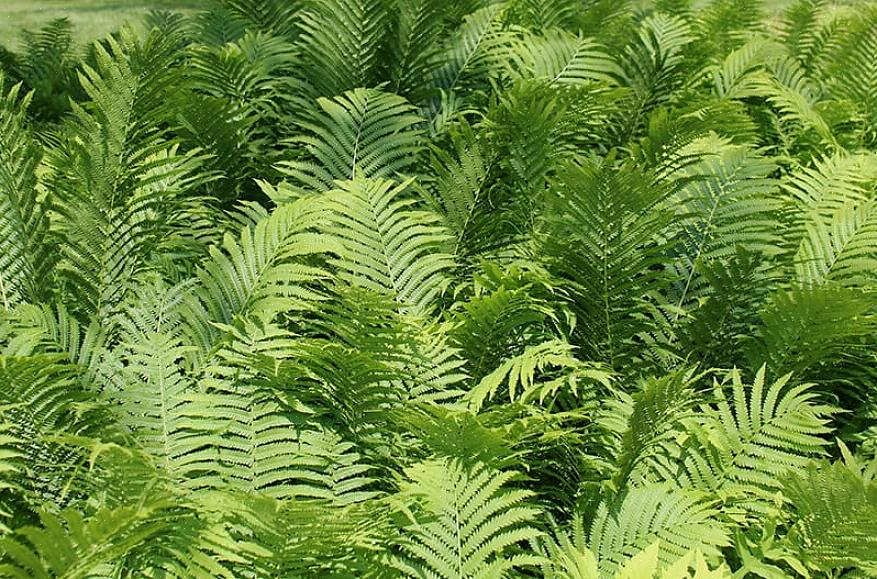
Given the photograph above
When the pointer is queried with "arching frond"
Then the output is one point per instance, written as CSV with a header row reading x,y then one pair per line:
x,y
116,181
801,329
681,520
155,535
840,250
520,372
280,17
263,272
560,58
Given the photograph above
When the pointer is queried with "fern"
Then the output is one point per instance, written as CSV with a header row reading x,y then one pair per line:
x,y
389,247
612,215
26,261
752,435
469,525
834,506
363,133
340,42
681,520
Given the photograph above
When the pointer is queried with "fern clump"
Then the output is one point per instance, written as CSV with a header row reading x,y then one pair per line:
x,y
456,289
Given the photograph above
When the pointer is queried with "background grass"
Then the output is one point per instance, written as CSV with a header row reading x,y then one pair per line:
x,y
94,18
91,18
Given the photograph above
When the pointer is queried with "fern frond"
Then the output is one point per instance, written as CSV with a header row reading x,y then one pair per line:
x,y
25,262
645,426
340,44
520,373
730,204
155,535
280,17
116,181
468,524
604,236
841,250
560,58
752,435
362,133
836,517
263,272
389,246
803,328
682,520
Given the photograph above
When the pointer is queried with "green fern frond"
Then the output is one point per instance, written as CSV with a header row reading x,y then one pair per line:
x,y
479,50
802,328
263,272
340,44
153,536
652,63
25,262
645,426
115,181
840,250
835,508
389,247
560,58
730,204
604,235
362,133
520,373
280,17
682,520
468,524
751,436
417,38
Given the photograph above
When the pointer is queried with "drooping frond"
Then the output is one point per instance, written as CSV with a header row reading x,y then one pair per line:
x,y
842,249
468,524
519,373
652,63
730,204
645,426
802,328
280,17
153,536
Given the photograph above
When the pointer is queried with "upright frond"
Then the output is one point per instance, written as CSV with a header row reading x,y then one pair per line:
x,y
389,246
25,261
362,133
468,524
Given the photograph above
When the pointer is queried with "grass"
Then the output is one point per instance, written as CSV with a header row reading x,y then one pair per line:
x,y
91,18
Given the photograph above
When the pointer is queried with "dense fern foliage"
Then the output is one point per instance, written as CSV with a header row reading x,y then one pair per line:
x,y
573,289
